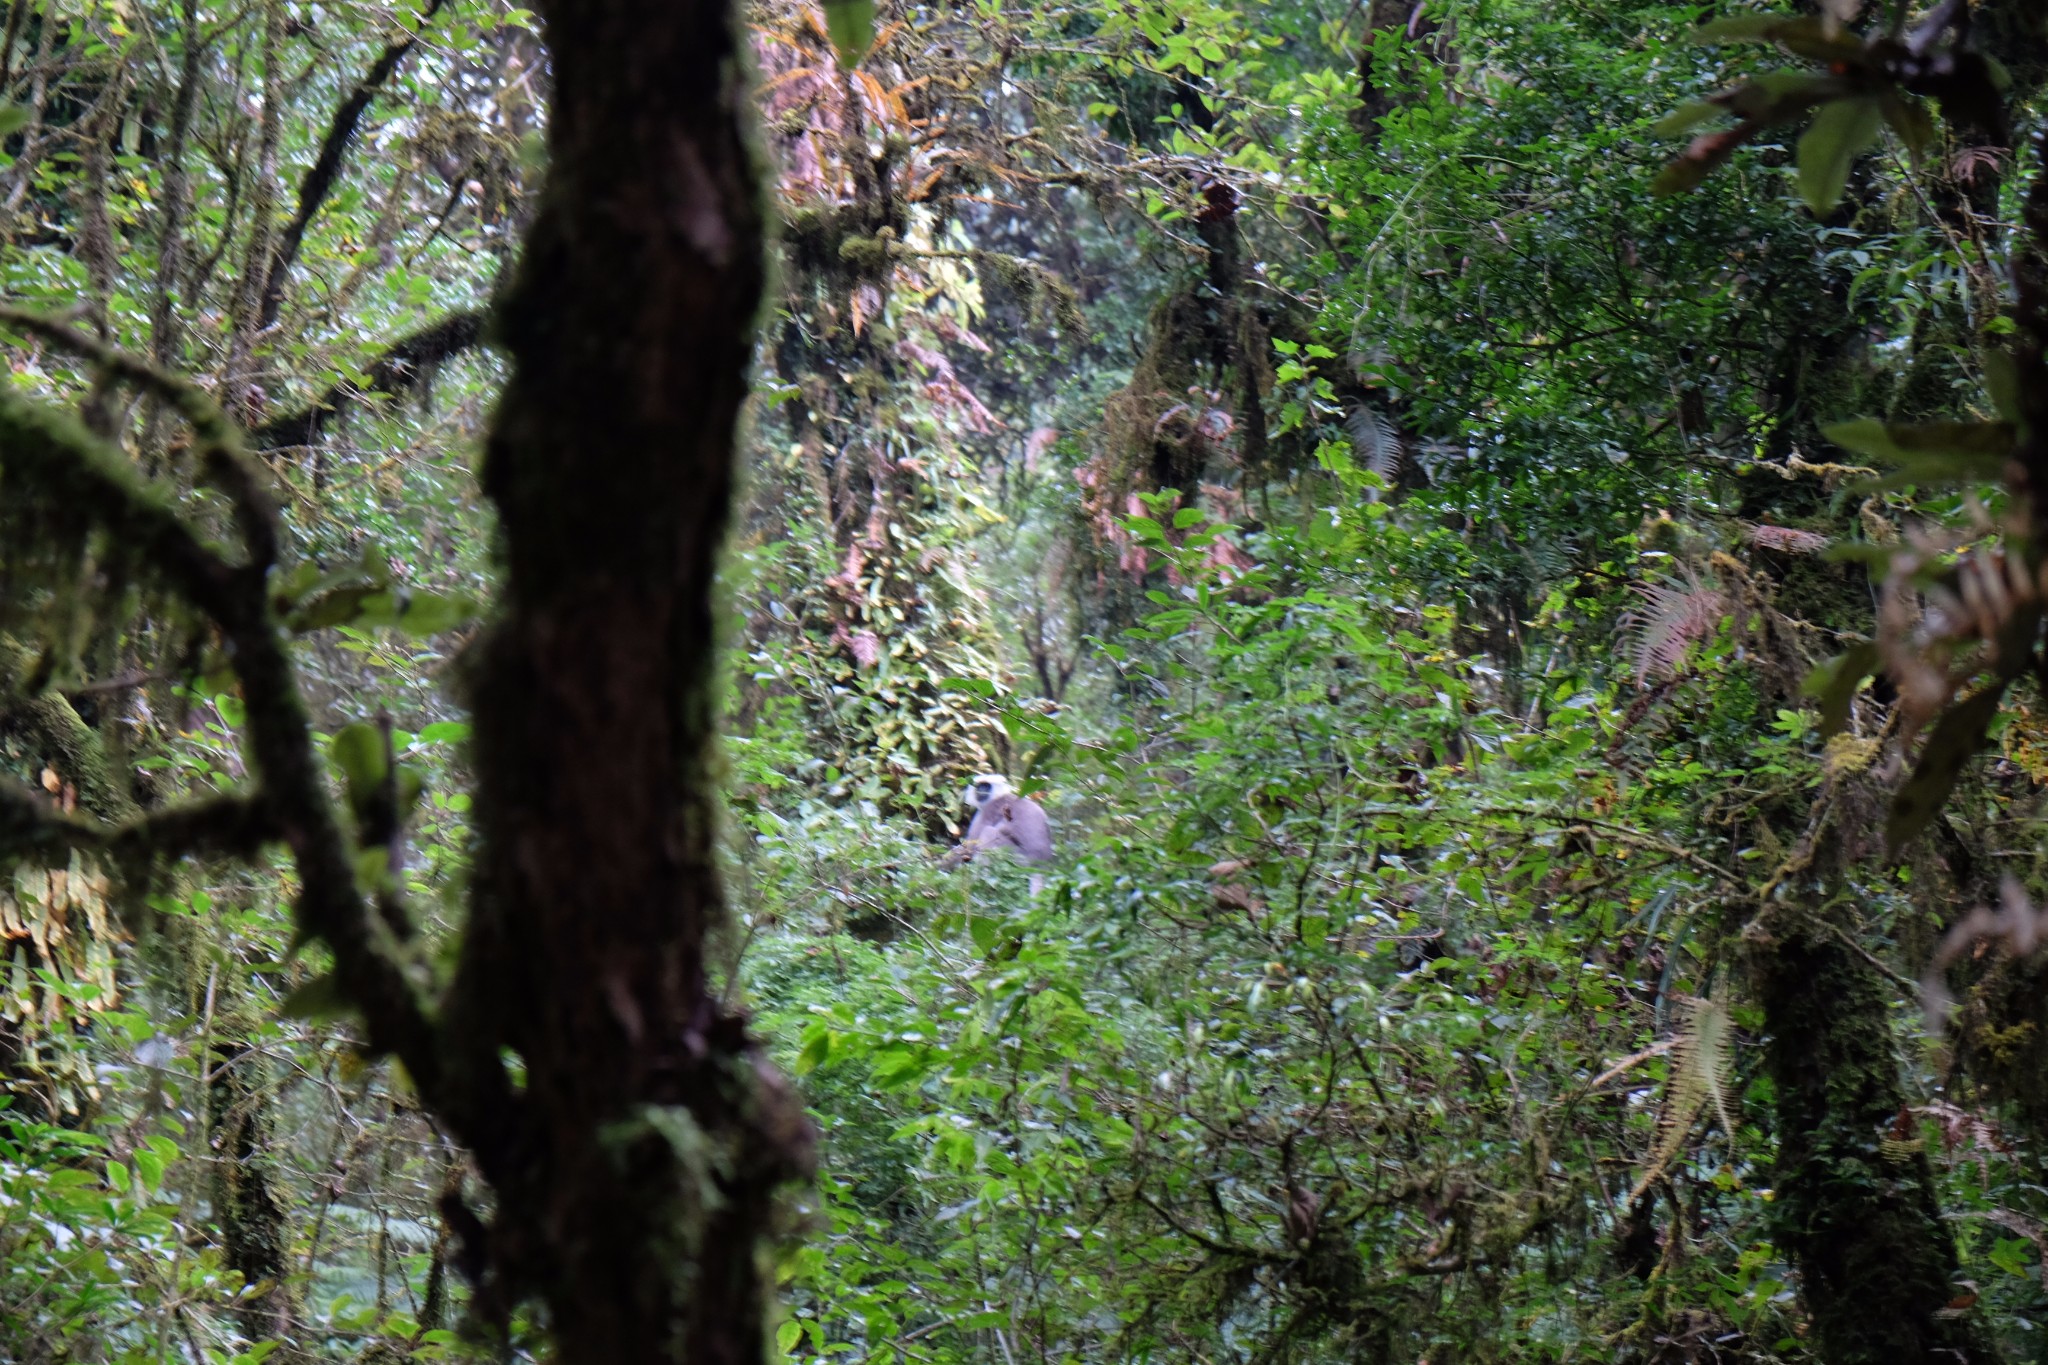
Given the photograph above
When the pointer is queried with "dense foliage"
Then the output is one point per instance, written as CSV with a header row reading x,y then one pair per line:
x,y
1506,537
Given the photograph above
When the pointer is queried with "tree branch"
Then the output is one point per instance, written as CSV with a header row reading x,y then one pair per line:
x,y
53,462
1207,1243
326,167
402,366
54,466
220,443
226,826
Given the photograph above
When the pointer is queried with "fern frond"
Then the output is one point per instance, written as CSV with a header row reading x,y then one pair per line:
x,y
1671,618
1702,1073
1711,1056
1375,439
1786,539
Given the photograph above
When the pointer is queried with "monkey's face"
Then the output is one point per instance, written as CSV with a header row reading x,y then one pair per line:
x,y
987,786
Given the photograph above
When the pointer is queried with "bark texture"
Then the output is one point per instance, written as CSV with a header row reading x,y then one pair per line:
x,y
255,1234
635,1188
1855,1195
635,1149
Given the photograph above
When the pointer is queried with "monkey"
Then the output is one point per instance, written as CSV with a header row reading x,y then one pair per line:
x,y
1003,819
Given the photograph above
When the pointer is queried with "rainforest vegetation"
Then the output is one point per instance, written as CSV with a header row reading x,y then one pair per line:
x,y
1508,539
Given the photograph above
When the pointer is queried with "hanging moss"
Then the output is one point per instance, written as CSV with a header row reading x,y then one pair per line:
x,y
868,257
1135,440
1047,299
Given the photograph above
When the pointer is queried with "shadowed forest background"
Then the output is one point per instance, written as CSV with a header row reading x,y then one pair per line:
x,y
1508,539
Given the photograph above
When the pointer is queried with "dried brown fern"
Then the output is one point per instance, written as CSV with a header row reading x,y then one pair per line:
x,y
1702,1072
1785,539
1671,618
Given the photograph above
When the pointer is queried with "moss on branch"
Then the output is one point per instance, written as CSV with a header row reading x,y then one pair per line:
x,y
219,440
230,826
56,473
56,480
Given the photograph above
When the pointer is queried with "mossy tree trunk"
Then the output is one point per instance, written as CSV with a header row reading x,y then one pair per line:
x,y
635,1147
46,734
255,1235
1855,1201
636,1193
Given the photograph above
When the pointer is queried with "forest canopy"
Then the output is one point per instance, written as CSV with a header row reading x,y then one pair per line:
x,y
1131,680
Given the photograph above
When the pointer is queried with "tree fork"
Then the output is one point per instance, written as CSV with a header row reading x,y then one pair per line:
x,y
635,1171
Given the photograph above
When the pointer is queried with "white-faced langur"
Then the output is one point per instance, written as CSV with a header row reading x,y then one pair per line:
x,y
1003,819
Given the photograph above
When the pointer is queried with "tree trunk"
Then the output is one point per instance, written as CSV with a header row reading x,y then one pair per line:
x,y
254,1234
1855,1196
634,1194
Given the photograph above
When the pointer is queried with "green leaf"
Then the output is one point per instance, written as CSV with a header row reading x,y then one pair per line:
x,y
1930,452
309,599
2010,1255
1840,131
2002,382
378,609
444,732
1833,684
1908,117
373,869
817,1047
429,613
317,998
1957,738
1685,118
851,24
899,1068
986,932
288,585
333,607
1873,557
13,118
1775,96
787,1334
358,750
1740,28
1820,39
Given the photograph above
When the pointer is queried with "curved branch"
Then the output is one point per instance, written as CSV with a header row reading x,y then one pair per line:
x,y
326,167
1207,1243
52,458
402,367
49,460
220,444
227,826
